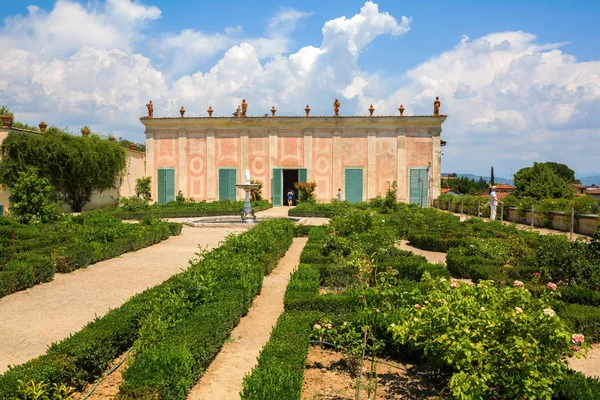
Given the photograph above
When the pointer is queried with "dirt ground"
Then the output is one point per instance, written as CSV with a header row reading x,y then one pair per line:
x,y
589,366
109,386
223,378
327,377
35,318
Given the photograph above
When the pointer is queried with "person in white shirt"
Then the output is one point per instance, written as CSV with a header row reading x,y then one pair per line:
x,y
493,203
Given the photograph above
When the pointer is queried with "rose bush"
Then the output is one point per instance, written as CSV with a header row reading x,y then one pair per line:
x,y
500,342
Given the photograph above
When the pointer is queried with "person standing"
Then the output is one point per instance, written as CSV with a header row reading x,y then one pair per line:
x,y
493,203
339,194
290,197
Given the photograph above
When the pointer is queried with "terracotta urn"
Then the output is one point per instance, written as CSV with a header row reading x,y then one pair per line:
x,y
112,138
371,110
6,120
273,110
307,109
132,146
210,111
42,125
182,111
401,109
85,131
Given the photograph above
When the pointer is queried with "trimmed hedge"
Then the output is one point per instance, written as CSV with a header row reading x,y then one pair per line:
x,y
186,210
81,358
583,319
30,255
576,386
280,369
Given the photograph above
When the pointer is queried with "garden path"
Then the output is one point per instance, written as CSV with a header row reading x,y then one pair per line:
x,y
34,318
283,212
433,257
589,366
223,378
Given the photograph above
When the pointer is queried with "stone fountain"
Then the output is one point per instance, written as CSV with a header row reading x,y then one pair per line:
x,y
247,212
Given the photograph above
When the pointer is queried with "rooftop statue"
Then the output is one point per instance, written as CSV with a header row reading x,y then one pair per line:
x,y
150,109
436,107
182,111
336,107
244,108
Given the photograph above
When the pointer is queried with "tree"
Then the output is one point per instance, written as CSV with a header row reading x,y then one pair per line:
x,y
492,182
563,171
31,199
466,185
541,182
75,166
143,188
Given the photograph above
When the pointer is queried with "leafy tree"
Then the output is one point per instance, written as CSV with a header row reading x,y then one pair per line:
x,y
75,166
466,185
306,191
142,188
256,194
563,171
541,182
4,110
31,198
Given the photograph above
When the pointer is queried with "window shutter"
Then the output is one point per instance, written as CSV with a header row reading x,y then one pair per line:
x,y
222,184
161,186
170,185
231,179
302,175
277,191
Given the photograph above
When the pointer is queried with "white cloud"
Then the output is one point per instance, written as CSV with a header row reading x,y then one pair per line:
x,y
286,19
510,99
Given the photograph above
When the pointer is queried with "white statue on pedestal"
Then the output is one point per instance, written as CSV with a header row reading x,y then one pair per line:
x,y
247,176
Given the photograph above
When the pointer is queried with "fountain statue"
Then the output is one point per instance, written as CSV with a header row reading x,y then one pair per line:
x,y
247,212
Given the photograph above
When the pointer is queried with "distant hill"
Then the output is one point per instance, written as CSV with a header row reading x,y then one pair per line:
x,y
503,181
590,180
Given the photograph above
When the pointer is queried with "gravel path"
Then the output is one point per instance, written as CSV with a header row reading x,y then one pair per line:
x,y
223,378
434,257
34,318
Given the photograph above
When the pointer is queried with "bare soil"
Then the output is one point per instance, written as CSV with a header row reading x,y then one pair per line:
x,y
223,378
109,386
33,319
327,377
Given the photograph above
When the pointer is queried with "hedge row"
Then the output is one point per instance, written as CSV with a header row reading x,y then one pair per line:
x,y
576,386
35,256
186,210
222,285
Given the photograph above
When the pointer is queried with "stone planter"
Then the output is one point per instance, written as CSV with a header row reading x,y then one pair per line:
x,y
6,120
42,125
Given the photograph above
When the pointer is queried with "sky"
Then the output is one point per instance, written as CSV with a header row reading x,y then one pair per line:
x,y
519,81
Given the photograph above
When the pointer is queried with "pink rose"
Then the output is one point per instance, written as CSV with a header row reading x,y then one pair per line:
x,y
536,274
551,286
417,306
454,285
577,338
517,284
317,327
518,310
576,348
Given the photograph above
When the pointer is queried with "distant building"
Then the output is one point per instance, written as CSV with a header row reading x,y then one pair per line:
x,y
593,191
451,192
502,190
579,190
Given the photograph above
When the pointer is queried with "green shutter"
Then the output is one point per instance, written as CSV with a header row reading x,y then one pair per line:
x,y
277,186
231,176
302,175
170,185
354,185
419,186
162,173
222,184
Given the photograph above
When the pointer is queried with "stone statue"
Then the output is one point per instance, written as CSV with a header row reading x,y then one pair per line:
x,y
371,109
436,107
182,111
244,108
247,176
401,109
307,109
150,109
336,107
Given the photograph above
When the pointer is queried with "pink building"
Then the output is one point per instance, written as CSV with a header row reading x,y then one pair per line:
x,y
205,157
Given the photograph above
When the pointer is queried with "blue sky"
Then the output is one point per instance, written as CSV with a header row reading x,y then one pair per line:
x,y
519,80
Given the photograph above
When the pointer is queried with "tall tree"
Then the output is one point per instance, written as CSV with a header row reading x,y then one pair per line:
x,y
563,171
75,166
492,182
541,182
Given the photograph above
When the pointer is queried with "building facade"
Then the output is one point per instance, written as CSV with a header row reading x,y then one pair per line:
x,y
205,157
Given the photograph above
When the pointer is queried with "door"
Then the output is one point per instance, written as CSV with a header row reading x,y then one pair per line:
x,y
419,186
277,187
166,185
302,175
227,179
354,185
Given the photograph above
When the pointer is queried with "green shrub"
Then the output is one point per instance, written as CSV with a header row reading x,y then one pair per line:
x,y
576,386
580,295
280,369
31,198
583,319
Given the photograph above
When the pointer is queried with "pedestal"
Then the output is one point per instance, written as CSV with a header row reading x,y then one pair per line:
x,y
247,213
